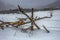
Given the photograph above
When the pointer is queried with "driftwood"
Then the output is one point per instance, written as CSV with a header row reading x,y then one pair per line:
x,y
14,24
21,10
31,19
46,29
32,23
2,26
21,22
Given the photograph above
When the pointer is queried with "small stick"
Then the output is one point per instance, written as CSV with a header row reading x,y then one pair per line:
x,y
46,29
32,20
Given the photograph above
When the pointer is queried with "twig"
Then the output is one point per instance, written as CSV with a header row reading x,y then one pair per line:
x,y
46,29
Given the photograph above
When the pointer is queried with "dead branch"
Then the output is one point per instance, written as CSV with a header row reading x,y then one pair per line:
x,y
21,10
46,29
32,22
2,26
35,19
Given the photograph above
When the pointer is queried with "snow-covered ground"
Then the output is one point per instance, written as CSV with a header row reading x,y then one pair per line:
x,y
52,24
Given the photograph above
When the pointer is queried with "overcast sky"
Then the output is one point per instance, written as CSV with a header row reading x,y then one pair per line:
x,y
28,3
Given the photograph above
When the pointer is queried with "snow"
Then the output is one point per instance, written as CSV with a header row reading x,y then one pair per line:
x,y
52,24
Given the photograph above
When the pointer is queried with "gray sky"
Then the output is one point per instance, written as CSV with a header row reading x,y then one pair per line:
x,y
29,3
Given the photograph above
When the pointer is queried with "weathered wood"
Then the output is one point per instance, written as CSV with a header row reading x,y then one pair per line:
x,y
46,29
21,10
32,22
1,24
30,18
37,26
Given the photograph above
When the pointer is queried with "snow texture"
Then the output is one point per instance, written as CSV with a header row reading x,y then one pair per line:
x,y
52,24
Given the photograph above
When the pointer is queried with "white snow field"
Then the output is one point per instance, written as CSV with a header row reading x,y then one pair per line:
x,y
52,24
